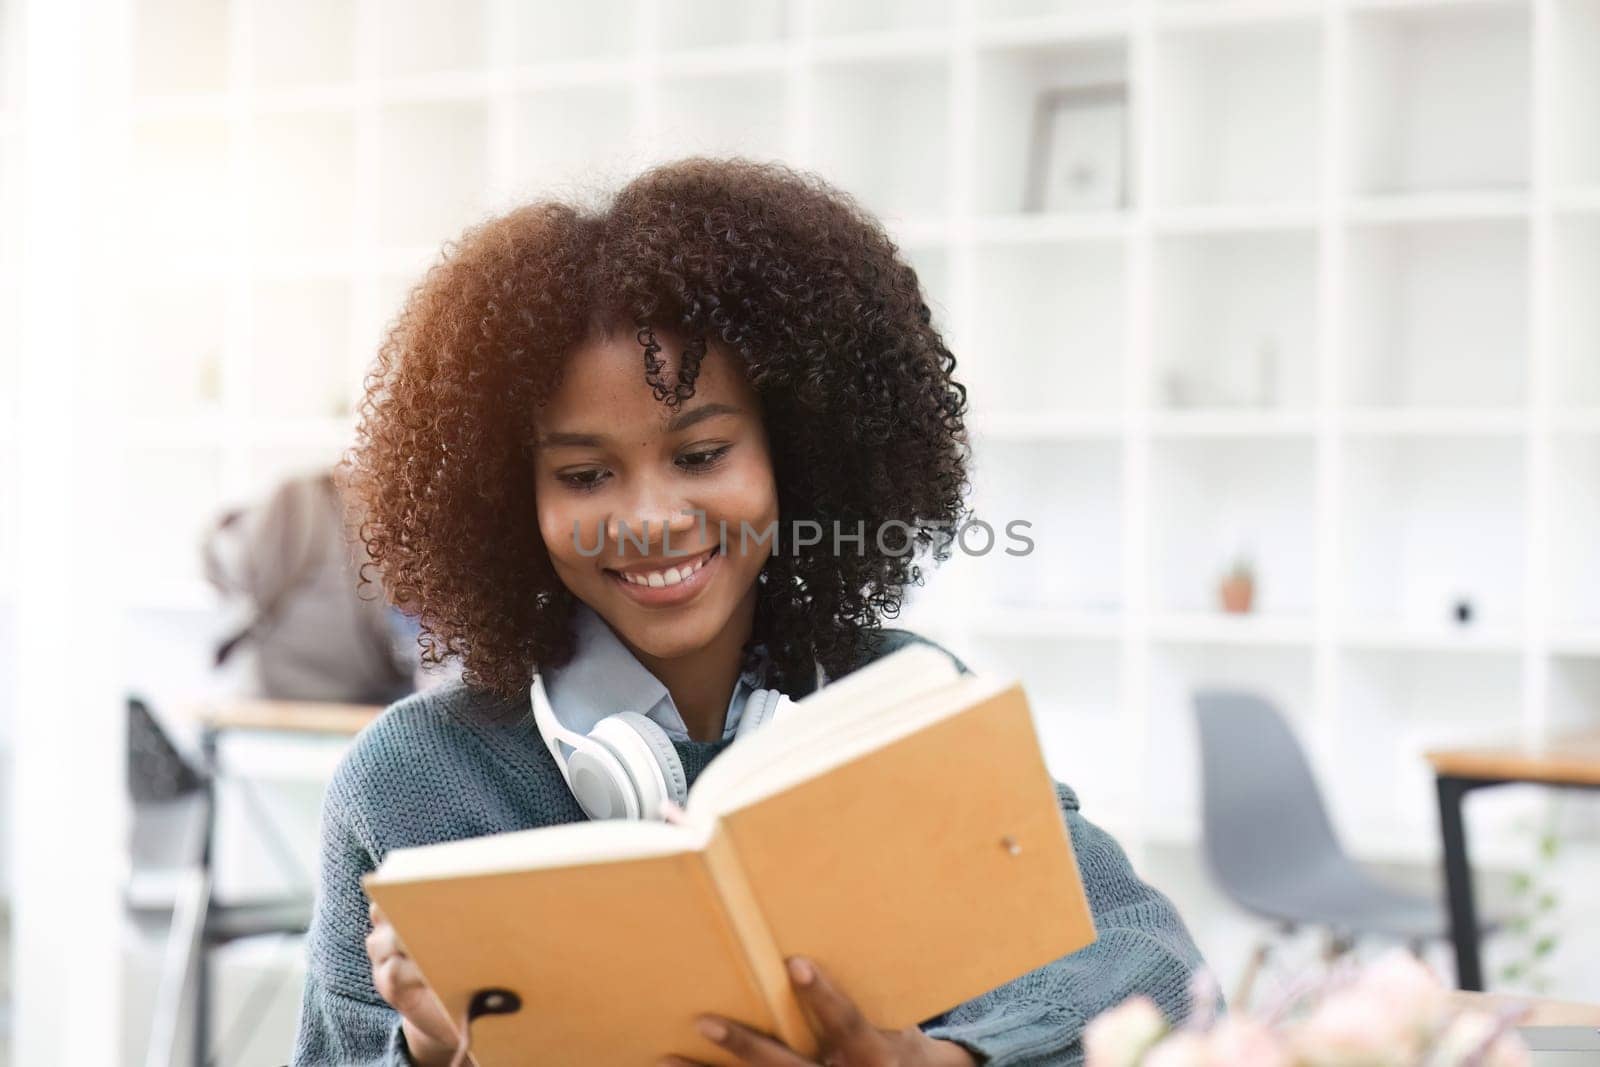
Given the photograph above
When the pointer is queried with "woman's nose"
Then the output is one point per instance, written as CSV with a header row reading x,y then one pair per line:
x,y
653,520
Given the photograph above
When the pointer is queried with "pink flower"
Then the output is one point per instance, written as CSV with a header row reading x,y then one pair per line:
x,y
1119,1037
1357,1027
1185,1048
1408,987
1240,1042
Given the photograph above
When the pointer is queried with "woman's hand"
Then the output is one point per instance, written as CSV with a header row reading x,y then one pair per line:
x,y
847,1039
430,1035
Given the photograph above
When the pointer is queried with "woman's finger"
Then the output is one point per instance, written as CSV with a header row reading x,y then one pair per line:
x,y
382,943
843,1028
755,1049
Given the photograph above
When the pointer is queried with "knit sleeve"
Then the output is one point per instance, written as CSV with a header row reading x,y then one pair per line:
x,y
343,1020
1142,947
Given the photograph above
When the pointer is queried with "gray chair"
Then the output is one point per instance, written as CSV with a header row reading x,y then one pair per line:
x,y
1270,844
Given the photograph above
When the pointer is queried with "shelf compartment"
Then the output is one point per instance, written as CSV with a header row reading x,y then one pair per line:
x,y
1220,628
300,350
694,25
1236,324
731,115
1575,314
1574,694
1012,85
177,343
1574,531
933,275
1055,335
181,178
1001,12
1429,522
1440,98
435,171
1074,693
834,18
1172,779
304,184
574,138
561,33
1070,557
1213,500
1575,92
421,37
1394,706
302,42
1437,315
895,154
179,46
1237,115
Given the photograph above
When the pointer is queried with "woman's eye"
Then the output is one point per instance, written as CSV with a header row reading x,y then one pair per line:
x,y
702,459
582,480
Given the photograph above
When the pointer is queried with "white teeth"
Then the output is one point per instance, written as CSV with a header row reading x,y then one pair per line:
x,y
670,576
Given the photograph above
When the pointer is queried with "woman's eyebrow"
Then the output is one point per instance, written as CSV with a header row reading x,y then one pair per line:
x,y
681,421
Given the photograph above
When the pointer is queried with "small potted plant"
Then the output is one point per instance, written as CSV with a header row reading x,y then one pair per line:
x,y
1237,589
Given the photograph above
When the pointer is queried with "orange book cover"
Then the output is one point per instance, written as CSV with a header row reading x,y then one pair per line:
x,y
927,866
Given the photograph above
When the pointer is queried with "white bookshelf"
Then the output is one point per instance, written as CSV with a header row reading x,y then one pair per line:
x,y
1344,322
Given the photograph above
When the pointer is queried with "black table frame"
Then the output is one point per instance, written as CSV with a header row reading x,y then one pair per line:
x,y
1459,897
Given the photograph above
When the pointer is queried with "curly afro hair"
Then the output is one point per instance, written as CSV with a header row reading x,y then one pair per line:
x,y
863,414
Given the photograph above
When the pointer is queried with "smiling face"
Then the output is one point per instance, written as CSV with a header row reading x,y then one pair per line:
x,y
615,467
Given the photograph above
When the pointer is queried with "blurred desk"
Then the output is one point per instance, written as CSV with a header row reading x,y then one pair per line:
x,y
286,716
1541,1012
1567,762
291,912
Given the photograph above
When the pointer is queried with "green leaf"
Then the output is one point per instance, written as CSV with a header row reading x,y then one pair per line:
x,y
1521,882
1544,946
1549,846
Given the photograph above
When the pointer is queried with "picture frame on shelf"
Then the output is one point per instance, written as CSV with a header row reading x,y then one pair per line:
x,y
1078,153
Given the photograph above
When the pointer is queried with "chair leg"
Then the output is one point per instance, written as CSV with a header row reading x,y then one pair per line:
x,y
1336,946
1252,971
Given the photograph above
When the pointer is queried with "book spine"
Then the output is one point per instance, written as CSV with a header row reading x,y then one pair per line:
x,y
766,962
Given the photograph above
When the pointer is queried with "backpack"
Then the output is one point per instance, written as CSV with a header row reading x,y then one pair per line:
x,y
289,570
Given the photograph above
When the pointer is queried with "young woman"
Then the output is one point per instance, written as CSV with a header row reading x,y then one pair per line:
x,y
569,428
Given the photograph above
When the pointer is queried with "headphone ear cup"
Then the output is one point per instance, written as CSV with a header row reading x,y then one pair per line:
x,y
761,707
646,751
600,782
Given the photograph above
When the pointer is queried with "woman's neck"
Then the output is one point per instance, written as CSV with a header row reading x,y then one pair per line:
x,y
702,682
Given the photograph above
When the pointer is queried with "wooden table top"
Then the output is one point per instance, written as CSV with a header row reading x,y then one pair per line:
x,y
1573,759
288,716
1543,1013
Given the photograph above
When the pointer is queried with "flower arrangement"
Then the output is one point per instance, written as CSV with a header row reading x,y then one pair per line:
x,y
1393,1013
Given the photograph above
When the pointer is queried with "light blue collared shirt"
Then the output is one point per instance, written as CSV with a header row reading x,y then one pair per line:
x,y
603,678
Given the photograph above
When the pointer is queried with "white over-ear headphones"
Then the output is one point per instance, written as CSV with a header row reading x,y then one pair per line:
x,y
625,767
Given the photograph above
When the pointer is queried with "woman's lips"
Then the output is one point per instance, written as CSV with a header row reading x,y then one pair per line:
x,y
668,594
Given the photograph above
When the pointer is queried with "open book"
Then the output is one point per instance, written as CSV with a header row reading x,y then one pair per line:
x,y
899,826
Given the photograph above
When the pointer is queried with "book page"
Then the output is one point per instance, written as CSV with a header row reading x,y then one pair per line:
x,y
862,700
604,841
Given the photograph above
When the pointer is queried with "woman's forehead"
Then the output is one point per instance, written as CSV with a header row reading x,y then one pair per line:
x,y
603,380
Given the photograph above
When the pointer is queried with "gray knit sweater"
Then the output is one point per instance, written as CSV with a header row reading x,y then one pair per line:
x,y
456,762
